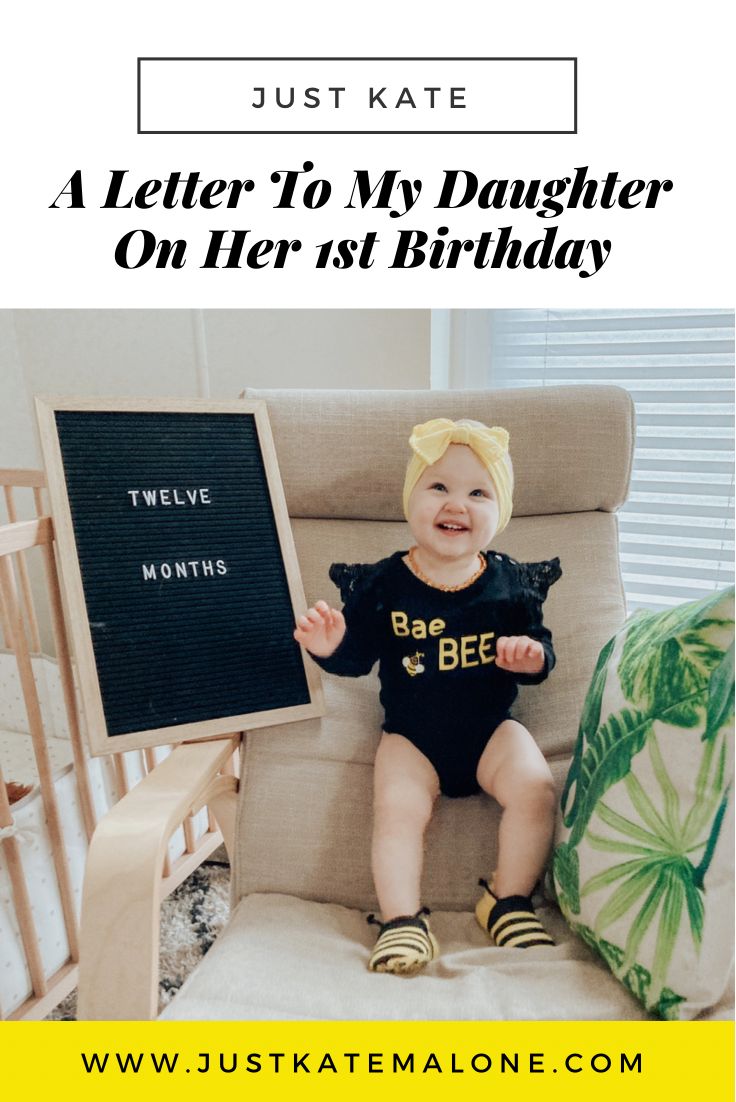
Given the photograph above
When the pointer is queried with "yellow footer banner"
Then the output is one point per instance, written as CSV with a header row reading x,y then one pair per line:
x,y
321,1060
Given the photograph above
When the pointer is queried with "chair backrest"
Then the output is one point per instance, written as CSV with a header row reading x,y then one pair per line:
x,y
305,812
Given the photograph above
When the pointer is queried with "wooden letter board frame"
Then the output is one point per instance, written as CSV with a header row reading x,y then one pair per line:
x,y
101,741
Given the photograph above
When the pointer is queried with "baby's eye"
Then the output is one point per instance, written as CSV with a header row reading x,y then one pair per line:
x,y
478,493
438,486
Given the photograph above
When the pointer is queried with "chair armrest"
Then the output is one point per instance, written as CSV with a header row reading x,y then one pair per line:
x,y
119,930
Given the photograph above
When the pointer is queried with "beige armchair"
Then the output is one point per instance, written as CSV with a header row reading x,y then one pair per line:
x,y
297,942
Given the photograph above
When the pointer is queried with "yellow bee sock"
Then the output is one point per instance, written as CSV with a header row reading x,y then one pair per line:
x,y
405,945
511,921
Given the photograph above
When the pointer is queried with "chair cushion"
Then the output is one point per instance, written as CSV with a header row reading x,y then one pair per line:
x,y
571,445
644,863
284,958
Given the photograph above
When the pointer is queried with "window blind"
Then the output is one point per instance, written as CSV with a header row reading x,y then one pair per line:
x,y
676,530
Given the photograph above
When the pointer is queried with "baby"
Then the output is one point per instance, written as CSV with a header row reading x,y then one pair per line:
x,y
456,629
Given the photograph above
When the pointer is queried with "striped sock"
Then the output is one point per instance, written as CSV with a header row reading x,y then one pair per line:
x,y
404,946
510,921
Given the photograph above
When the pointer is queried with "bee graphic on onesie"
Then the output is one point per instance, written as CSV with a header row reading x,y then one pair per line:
x,y
455,628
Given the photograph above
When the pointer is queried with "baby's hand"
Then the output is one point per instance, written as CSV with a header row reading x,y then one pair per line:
x,y
519,654
320,630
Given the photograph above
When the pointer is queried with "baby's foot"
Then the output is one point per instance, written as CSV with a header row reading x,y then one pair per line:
x,y
405,945
510,921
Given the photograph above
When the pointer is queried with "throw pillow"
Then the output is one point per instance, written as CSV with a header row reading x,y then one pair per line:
x,y
643,865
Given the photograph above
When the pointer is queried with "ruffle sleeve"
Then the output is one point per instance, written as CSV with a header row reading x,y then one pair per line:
x,y
535,580
355,578
538,577
360,589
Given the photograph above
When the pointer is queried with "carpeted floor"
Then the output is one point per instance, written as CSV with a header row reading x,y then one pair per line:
x,y
191,919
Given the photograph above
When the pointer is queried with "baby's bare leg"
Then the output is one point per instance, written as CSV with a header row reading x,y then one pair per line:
x,y
405,788
513,770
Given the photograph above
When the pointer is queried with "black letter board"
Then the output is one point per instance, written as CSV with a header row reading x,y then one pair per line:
x,y
178,566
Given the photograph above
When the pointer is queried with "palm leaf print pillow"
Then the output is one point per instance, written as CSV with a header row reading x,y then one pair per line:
x,y
643,865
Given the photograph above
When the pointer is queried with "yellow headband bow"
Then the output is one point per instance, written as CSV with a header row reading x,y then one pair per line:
x,y
430,441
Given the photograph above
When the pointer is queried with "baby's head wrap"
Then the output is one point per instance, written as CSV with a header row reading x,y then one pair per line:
x,y
430,441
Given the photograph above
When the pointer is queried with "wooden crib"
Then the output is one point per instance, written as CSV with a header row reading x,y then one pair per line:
x,y
58,792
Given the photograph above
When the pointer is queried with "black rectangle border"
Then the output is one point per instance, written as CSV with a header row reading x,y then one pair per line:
x,y
416,133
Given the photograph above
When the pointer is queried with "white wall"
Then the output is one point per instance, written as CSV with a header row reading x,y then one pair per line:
x,y
17,436
190,353
197,353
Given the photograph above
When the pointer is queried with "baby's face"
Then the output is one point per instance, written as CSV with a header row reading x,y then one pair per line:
x,y
453,510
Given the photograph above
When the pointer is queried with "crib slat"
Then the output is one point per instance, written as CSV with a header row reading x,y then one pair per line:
x,y
7,640
190,841
18,476
10,504
25,534
21,898
43,763
5,621
121,775
167,865
66,676
25,581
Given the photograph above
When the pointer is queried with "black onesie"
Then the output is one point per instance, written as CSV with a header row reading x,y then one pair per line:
x,y
440,686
